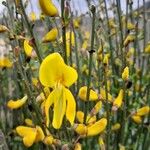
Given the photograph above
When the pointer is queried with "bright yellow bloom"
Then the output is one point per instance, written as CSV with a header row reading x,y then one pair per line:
x,y
17,104
56,74
29,122
116,127
136,119
32,16
29,51
143,111
103,95
97,127
48,8
50,36
30,135
92,129
83,92
70,39
3,28
130,26
125,74
118,101
147,48
48,140
89,119
129,38
78,146
81,129
96,108
5,62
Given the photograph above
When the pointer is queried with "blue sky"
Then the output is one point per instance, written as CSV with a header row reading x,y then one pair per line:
x,y
80,6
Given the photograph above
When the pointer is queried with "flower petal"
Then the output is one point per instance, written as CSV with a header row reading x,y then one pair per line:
x,y
40,135
17,104
83,92
28,134
51,69
71,106
27,48
59,107
49,101
69,76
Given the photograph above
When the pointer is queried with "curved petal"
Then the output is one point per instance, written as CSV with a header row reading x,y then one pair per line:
x,y
40,135
83,93
49,101
69,76
27,48
71,106
17,104
59,107
28,134
51,69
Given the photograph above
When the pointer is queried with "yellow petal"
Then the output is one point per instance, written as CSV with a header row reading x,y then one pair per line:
x,y
83,92
48,8
71,106
28,134
27,48
50,36
143,111
90,119
116,127
97,127
49,101
5,62
103,95
69,76
81,129
96,108
3,28
48,140
118,101
32,16
40,135
80,116
78,146
137,119
59,107
129,38
29,122
125,74
51,69
17,104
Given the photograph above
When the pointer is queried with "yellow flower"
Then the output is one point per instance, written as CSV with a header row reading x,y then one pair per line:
x,y
147,48
96,108
143,111
92,129
85,45
29,49
103,95
30,135
118,101
101,143
16,104
125,74
116,127
29,122
97,127
106,59
76,23
5,62
48,8
70,39
129,38
89,119
32,16
56,74
130,26
50,36
3,28
48,140
136,119
83,92
78,146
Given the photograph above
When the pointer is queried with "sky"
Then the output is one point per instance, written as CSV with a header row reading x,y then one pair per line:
x,y
80,6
